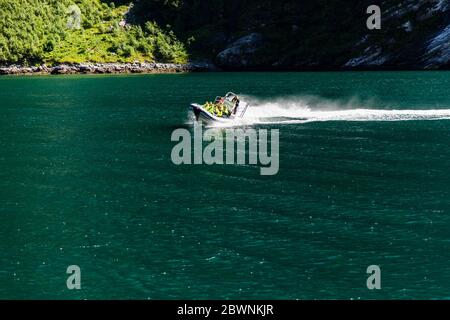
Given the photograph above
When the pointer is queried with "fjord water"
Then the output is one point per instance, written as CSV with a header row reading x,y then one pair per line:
x,y
86,179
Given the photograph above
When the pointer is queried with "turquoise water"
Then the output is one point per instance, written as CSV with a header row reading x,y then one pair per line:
x,y
86,179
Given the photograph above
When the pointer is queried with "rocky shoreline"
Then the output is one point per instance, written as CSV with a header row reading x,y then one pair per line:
x,y
106,68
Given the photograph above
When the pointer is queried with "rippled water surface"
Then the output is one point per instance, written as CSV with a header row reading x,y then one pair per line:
x,y
86,179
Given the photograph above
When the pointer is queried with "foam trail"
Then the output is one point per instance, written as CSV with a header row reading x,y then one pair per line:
x,y
312,109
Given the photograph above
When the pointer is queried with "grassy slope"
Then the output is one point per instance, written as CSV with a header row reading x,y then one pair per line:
x,y
45,37
94,43
298,33
106,41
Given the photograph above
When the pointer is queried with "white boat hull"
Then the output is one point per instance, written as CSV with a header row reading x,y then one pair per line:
x,y
206,117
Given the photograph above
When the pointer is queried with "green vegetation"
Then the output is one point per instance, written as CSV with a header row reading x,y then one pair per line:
x,y
36,31
297,33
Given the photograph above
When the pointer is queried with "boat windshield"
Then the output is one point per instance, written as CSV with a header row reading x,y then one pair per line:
x,y
230,96
228,101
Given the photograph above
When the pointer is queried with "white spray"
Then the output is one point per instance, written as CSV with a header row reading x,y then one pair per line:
x,y
311,109
304,109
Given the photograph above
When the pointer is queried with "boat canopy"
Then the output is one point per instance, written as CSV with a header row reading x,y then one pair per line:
x,y
227,100
230,96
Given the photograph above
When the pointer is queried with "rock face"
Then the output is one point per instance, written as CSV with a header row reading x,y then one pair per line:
x,y
418,37
242,53
414,35
100,68
438,50
373,56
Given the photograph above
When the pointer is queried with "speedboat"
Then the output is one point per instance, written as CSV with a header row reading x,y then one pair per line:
x,y
224,109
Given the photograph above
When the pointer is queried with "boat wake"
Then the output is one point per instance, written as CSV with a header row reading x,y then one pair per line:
x,y
314,109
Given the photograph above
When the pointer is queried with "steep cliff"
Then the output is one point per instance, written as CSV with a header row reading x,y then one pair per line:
x,y
319,34
234,34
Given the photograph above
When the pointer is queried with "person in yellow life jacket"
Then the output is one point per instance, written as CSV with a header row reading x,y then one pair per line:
x,y
220,107
209,106
226,111
223,111
219,110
